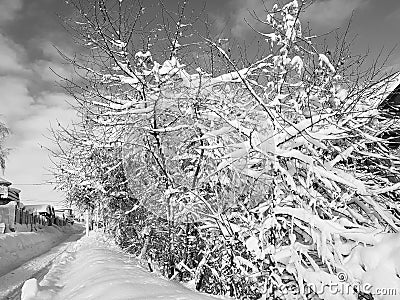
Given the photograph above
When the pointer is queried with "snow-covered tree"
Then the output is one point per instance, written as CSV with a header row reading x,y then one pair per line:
x,y
272,171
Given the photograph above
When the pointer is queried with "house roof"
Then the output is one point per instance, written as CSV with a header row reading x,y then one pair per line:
x,y
4,182
63,209
13,194
391,104
15,190
390,108
38,207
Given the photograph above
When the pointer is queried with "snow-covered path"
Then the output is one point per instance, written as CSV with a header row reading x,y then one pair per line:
x,y
94,268
11,282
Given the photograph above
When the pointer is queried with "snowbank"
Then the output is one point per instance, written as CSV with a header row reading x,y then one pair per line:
x,y
94,268
97,269
18,247
376,269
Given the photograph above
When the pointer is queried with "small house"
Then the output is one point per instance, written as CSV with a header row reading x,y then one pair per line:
x,y
4,189
390,108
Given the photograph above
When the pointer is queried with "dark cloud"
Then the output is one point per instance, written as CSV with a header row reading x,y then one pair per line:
x,y
9,9
30,101
328,14
30,29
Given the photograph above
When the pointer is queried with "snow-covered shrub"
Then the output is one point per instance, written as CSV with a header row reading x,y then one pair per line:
x,y
255,180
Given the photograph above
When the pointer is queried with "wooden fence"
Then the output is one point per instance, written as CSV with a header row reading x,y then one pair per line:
x,y
12,215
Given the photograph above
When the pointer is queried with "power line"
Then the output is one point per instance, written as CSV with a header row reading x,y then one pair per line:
x,y
44,183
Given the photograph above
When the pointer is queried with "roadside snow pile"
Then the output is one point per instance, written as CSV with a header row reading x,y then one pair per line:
x,y
376,270
96,269
19,247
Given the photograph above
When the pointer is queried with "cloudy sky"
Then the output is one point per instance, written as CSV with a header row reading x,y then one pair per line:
x,y
30,100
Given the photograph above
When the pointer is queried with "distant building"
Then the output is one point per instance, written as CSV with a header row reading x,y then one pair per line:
x,y
43,210
4,186
390,107
7,193
9,202
66,214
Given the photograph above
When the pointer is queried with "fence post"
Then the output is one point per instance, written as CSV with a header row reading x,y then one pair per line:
x,y
2,221
15,214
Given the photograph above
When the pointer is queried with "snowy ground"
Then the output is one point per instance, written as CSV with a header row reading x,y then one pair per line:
x,y
19,247
25,254
94,268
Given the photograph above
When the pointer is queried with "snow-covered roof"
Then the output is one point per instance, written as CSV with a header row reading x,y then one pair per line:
x,y
13,194
391,104
15,190
37,207
385,89
4,182
67,210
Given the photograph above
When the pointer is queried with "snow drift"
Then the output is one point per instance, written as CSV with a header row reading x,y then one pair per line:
x,y
97,269
19,247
